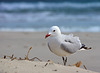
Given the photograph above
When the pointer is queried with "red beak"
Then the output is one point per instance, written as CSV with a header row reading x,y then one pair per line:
x,y
47,36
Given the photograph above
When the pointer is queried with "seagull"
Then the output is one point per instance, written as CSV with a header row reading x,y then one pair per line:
x,y
63,45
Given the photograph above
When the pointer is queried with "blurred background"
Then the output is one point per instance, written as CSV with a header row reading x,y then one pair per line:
x,y
39,15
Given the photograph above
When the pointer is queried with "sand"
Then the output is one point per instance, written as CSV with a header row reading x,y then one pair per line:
x,y
18,43
24,66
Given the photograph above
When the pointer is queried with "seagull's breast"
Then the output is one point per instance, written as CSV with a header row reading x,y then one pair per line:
x,y
54,45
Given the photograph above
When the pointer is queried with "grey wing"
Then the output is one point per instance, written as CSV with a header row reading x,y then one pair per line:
x,y
49,47
69,47
70,44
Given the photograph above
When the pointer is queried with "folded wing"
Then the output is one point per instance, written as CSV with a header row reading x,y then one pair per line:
x,y
70,44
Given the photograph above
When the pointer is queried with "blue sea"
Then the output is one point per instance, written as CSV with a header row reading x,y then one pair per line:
x,y
39,16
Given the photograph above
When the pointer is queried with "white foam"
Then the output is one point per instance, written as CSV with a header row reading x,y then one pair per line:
x,y
43,5
45,17
63,29
23,29
81,29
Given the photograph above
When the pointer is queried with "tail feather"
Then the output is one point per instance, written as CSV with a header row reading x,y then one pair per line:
x,y
85,48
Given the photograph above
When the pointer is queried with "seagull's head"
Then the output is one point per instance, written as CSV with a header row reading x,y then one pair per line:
x,y
53,31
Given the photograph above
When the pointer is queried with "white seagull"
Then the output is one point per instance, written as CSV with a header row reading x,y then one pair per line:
x,y
63,45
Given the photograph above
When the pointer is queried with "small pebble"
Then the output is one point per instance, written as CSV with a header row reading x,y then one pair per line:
x,y
76,71
34,65
55,70
4,57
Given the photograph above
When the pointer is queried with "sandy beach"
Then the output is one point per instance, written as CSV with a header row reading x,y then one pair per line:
x,y
18,43
25,66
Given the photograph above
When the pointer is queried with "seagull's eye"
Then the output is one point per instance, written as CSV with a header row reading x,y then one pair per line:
x,y
54,30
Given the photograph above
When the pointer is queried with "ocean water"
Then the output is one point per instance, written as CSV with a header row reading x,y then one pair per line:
x,y
40,16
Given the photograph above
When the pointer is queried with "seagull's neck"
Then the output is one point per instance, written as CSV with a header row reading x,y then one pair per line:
x,y
59,34
56,35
